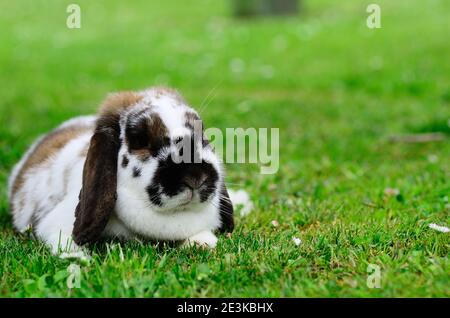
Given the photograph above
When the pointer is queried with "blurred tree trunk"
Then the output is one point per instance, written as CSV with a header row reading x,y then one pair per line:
x,y
247,8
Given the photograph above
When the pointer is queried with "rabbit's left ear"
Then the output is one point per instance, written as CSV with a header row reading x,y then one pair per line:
x,y
226,211
98,193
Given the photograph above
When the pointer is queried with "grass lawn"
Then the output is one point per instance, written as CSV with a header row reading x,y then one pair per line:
x,y
336,89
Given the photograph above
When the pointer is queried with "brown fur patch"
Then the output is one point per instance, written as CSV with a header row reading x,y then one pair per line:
x,y
157,127
150,128
142,154
48,146
117,102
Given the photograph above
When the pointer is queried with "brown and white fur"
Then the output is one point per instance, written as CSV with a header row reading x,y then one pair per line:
x,y
110,176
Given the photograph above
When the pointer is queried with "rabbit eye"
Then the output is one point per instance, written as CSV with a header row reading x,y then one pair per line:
x,y
146,136
137,140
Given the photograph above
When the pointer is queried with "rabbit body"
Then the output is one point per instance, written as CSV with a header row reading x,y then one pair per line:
x,y
112,175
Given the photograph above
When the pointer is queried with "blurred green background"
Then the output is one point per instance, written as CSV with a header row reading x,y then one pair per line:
x,y
336,89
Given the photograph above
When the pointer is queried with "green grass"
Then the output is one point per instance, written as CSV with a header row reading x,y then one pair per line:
x,y
336,89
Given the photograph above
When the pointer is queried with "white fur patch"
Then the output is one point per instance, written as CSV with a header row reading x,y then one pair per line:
x,y
241,200
203,239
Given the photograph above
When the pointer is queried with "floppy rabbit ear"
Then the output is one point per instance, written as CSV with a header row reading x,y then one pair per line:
x,y
226,211
98,194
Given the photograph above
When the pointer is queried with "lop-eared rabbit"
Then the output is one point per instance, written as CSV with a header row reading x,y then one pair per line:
x,y
119,175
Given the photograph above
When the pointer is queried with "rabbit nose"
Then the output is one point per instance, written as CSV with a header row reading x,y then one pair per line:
x,y
194,183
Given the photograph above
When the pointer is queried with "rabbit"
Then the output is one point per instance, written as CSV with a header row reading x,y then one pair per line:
x,y
119,174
